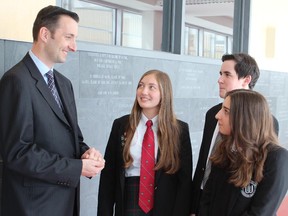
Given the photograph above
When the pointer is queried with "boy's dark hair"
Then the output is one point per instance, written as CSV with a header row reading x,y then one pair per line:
x,y
245,65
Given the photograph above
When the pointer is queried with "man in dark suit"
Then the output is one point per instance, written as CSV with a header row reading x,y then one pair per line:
x,y
238,71
41,144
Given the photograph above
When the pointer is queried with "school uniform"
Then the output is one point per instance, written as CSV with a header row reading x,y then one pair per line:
x,y
221,198
205,148
172,191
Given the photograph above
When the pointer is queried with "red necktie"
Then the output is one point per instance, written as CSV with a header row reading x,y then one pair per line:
x,y
147,173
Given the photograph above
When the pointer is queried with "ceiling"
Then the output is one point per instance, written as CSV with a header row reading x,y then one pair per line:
x,y
216,11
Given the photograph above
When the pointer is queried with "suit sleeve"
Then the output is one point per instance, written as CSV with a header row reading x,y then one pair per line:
x,y
272,189
82,145
107,185
18,148
183,199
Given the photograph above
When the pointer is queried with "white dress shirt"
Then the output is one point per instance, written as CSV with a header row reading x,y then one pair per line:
x,y
136,145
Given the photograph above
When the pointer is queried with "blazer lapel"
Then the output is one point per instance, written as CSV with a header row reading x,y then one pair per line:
x,y
121,138
43,88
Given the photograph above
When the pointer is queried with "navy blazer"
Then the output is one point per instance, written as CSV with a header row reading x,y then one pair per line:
x,y
38,144
172,191
209,128
221,198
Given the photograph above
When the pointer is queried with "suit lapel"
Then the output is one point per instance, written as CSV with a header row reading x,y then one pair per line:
x,y
64,96
208,133
43,88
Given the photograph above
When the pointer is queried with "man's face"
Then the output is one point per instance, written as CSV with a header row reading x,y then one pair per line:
x,y
228,79
62,41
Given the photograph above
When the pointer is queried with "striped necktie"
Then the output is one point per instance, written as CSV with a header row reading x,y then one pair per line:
x,y
147,173
52,87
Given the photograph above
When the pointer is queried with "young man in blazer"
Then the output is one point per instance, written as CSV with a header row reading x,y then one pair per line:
x,y
238,71
40,142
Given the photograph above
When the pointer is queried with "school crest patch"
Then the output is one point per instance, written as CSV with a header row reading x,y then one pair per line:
x,y
249,190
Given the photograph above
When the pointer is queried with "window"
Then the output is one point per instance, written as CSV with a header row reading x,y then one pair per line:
x,y
96,22
209,44
215,45
132,30
138,24
191,41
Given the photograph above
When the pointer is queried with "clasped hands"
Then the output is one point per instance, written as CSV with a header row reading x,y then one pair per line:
x,y
92,163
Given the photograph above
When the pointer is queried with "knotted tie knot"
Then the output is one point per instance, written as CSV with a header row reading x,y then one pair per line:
x,y
149,123
50,75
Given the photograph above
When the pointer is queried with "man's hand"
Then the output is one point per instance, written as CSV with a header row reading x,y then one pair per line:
x,y
92,153
90,167
92,162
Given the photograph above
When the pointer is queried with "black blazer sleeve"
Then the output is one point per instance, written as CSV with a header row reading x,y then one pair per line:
x,y
183,197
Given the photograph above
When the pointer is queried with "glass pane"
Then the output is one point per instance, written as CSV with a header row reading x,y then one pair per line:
x,y
208,44
191,41
96,22
132,30
230,44
214,21
220,46
215,45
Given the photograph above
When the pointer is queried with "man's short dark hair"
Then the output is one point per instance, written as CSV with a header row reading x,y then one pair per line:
x,y
48,17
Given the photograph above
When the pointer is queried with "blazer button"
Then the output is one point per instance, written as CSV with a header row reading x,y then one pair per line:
x,y
155,188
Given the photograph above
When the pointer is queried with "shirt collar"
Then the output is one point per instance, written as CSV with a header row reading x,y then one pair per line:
x,y
40,65
144,119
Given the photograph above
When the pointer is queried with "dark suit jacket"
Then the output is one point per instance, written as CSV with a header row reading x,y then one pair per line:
x,y
172,195
220,198
39,144
209,127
